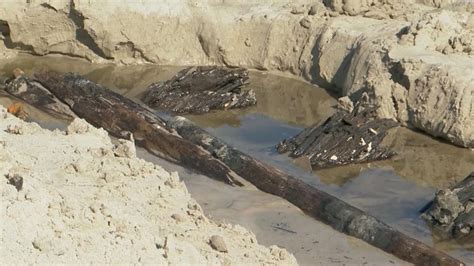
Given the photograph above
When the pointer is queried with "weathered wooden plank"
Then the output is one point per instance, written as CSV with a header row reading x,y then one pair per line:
x,y
344,138
35,94
200,90
118,115
452,210
318,204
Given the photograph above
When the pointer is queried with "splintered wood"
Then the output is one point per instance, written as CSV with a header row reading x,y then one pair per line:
x,y
35,94
452,210
344,138
200,90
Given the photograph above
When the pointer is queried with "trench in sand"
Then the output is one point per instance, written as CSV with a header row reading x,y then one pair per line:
x,y
393,190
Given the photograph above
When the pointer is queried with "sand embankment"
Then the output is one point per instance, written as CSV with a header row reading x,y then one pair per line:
x,y
416,60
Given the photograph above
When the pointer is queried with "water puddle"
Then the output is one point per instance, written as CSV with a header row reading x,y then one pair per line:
x,y
393,190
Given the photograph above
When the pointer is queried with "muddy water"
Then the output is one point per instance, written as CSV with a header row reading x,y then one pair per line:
x,y
393,190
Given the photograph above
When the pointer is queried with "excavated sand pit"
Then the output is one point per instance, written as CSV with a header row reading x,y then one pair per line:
x,y
256,130
414,59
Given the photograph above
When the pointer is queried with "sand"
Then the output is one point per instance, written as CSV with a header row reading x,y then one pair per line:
x,y
275,221
75,197
84,200
413,57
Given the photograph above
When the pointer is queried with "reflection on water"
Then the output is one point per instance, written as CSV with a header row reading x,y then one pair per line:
x,y
393,190
284,99
420,158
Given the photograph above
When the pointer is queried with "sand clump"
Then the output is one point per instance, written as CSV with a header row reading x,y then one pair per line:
x,y
446,32
387,48
75,197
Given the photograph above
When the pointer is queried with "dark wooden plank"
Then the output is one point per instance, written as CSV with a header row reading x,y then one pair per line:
x,y
344,138
119,115
318,204
201,89
35,94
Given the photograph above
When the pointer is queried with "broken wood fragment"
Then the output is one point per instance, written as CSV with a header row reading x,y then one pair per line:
x,y
316,203
18,110
344,138
201,89
452,210
119,115
35,94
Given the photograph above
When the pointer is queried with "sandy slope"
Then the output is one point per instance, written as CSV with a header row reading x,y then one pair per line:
x,y
86,200
413,57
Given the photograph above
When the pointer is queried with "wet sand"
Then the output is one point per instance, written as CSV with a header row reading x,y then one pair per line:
x,y
275,221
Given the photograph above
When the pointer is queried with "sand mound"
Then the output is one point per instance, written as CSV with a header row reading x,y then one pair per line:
x,y
75,197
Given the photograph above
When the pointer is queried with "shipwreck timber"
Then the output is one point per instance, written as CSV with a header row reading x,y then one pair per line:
x,y
196,149
35,94
346,137
199,90
316,203
121,116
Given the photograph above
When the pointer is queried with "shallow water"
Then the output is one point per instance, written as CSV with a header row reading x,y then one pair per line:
x,y
393,190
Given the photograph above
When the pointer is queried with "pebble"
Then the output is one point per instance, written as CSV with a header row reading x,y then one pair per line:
x,y
15,129
178,217
15,180
345,103
125,148
298,10
17,72
313,10
305,23
218,243
248,43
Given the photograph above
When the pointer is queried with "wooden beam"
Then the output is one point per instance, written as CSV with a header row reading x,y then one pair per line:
x,y
120,116
316,203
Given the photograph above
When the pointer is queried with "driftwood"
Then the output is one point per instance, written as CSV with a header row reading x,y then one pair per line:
x,y
121,116
314,202
344,138
452,210
200,90
37,95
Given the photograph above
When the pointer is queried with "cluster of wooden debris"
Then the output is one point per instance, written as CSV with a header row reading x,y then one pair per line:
x,y
349,136
201,89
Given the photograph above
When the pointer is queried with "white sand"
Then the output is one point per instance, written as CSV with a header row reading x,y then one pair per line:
x,y
85,200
